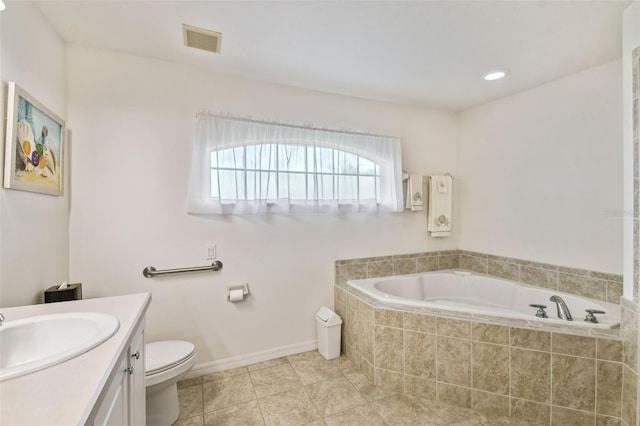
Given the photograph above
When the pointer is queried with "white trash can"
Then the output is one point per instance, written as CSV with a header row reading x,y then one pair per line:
x,y
329,325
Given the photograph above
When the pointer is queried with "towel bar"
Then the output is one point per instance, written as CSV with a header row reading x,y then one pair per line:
x,y
150,271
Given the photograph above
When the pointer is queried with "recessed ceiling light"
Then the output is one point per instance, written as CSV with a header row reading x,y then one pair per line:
x,y
2,6
495,75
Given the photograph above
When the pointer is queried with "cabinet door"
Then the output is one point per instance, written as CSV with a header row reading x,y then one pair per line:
x,y
114,409
137,389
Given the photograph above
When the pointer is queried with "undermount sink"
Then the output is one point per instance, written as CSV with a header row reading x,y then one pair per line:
x,y
34,343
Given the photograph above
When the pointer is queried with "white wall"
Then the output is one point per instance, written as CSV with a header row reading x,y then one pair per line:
x,y
132,120
35,244
630,40
539,171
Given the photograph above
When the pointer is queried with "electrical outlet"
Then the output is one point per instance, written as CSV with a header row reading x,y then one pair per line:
x,y
211,251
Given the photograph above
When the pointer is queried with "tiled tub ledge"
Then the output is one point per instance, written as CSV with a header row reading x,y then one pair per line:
x,y
495,365
583,282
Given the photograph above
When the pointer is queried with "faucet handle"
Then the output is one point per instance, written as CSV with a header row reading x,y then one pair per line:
x,y
590,315
540,313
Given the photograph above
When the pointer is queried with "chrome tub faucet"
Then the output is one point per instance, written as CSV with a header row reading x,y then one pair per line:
x,y
563,310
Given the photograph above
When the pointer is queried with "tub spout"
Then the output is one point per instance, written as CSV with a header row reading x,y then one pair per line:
x,y
563,310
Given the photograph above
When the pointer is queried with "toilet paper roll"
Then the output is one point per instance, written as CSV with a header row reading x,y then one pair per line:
x,y
236,295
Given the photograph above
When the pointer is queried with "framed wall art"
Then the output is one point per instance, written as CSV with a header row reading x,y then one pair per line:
x,y
34,149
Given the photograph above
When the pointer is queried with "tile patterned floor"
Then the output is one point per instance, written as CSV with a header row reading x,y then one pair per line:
x,y
306,389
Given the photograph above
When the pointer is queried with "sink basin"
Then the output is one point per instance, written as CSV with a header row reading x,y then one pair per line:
x,y
39,342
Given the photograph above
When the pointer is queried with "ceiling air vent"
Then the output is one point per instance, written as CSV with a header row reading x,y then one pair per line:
x,y
201,39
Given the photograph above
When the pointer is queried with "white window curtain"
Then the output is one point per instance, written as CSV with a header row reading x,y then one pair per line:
x,y
245,166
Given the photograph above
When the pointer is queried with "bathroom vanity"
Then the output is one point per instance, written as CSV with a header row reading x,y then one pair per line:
x,y
103,386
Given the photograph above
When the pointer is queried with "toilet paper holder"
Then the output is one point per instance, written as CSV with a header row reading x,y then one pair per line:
x,y
234,290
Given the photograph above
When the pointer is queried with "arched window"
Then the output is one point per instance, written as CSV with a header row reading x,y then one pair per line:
x,y
293,172
244,166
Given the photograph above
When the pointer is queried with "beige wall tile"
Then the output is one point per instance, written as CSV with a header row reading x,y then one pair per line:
x,y
454,395
629,334
609,350
367,311
454,361
353,271
539,277
419,322
366,338
534,412
380,269
473,263
530,375
490,333
490,403
629,396
448,262
420,387
565,417
388,380
352,302
609,386
427,264
614,292
453,328
574,382
573,345
404,266
530,339
607,421
389,318
389,349
489,366
583,285
508,271
420,354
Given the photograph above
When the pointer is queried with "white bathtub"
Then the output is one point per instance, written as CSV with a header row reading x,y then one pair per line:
x,y
464,291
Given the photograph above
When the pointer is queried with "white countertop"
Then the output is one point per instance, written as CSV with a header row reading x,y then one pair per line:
x,y
65,394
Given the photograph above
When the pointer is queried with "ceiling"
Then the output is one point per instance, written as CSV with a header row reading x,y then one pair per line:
x,y
421,53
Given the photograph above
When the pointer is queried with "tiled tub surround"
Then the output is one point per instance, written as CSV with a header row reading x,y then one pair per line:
x,y
550,376
484,297
593,284
539,376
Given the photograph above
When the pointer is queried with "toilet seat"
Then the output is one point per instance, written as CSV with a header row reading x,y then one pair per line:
x,y
161,356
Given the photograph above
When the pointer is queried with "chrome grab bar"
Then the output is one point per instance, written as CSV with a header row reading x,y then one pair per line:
x,y
151,272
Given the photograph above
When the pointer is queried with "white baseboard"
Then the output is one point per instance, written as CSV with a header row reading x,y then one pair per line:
x,y
248,359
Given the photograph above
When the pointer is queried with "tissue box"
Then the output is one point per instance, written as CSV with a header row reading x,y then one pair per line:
x,y
72,292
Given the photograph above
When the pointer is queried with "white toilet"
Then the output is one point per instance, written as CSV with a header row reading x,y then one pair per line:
x,y
166,362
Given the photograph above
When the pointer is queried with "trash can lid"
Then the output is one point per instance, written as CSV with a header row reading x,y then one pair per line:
x,y
327,317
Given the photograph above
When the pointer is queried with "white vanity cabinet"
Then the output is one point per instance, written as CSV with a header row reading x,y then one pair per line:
x,y
124,400
103,386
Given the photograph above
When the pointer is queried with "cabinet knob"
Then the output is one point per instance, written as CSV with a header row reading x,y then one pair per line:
x,y
136,355
129,369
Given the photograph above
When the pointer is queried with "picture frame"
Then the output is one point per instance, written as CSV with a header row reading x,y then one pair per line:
x,y
34,148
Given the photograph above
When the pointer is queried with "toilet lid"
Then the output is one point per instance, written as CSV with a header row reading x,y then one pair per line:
x,y
162,355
